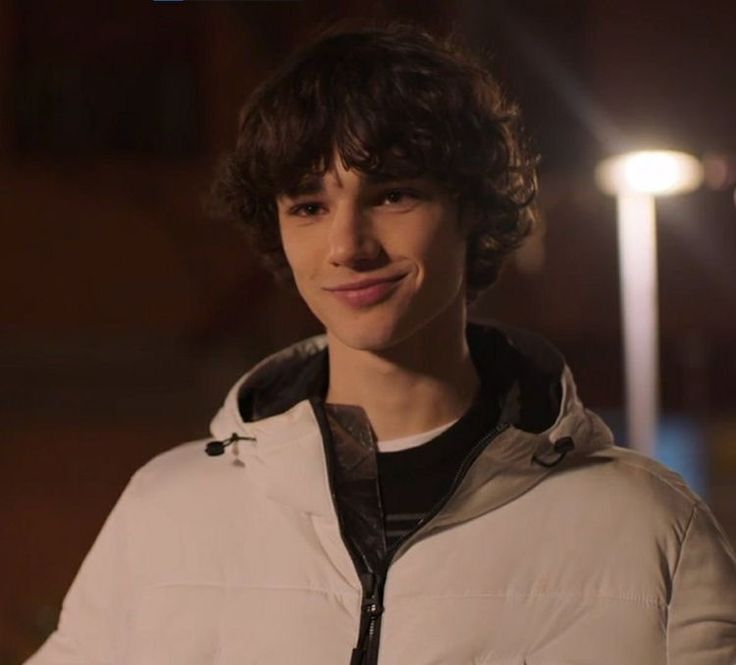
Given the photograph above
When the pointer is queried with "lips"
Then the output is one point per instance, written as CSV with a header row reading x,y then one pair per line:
x,y
368,295
365,283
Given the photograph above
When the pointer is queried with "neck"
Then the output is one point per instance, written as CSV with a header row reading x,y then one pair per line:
x,y
423,382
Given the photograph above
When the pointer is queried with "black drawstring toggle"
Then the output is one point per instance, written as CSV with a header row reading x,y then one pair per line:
x,y
215,448
562,447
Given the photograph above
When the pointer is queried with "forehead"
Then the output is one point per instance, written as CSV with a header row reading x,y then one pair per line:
x,y
395,166
315,184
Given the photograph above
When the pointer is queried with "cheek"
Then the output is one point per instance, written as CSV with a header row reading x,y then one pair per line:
x,y
304,263
443,246
293,250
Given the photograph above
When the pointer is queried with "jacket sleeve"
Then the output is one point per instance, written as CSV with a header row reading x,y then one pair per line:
x,y
701,626
93,617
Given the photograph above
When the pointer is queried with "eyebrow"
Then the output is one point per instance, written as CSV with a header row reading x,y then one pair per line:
x,y
313,184
306,186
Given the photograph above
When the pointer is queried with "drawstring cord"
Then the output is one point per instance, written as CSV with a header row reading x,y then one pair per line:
x,y
215,448
561,446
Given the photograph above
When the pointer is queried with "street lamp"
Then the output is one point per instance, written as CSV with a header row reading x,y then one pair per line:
x,y
635,179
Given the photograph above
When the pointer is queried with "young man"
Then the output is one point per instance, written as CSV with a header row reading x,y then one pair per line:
x,y
409,487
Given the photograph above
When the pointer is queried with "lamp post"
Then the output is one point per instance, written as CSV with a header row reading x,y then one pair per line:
x,y
635,179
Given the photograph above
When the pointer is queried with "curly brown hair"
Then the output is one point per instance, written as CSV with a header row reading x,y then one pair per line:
x,y
392,99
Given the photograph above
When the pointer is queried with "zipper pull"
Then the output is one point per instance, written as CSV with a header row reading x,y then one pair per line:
x,y
371,608
371,605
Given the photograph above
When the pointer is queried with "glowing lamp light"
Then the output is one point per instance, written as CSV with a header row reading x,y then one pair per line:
x,y
654,172
635,179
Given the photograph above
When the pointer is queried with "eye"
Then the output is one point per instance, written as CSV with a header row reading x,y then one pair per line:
x,y
399,195
305,209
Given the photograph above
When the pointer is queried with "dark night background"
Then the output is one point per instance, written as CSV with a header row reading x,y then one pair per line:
x,y
127,314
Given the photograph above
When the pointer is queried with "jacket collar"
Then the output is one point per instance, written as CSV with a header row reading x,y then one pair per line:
x,y
517,459
274,406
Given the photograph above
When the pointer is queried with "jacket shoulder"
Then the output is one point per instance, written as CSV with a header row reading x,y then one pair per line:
x,y
645,481
181,472
634,462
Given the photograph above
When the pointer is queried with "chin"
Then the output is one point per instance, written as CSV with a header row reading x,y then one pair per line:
x,y
372,331
362,337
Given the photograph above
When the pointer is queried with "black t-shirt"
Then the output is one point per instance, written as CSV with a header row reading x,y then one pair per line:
x,y
413,480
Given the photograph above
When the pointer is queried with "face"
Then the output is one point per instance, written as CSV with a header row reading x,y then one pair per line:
x,y
344,228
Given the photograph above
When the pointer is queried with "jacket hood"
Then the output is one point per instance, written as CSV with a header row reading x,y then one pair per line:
x,y
271,410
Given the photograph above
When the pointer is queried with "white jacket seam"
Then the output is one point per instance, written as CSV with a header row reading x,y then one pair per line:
x,y
645,601
693,501
675,570
256,587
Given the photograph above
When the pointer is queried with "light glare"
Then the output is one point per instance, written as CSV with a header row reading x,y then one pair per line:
x,y
655,172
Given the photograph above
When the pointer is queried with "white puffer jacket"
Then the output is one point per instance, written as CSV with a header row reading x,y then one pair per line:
x,y
590,556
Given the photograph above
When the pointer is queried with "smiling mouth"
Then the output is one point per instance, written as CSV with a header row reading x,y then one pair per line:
x,y
368,295
366,284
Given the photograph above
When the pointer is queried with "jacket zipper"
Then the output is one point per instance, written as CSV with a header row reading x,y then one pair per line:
x,y
365,651
372,593
369,634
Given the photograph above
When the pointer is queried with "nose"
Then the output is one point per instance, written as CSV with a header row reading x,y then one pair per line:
x,y
351,236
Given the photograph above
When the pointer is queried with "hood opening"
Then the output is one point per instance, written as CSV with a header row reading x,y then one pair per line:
x,y
528,367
